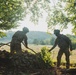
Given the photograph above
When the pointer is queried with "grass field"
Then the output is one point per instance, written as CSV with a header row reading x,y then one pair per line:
x,y
54,52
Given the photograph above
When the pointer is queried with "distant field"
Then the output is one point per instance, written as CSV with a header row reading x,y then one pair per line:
x,y
37,48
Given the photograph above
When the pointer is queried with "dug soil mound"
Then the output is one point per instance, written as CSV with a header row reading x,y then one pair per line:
x,y
26,64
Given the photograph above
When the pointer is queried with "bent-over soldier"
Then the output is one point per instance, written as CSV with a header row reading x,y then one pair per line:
x,y
64,43
17,39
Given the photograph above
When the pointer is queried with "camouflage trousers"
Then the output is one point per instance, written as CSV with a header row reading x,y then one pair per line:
x,y
67,54
15,47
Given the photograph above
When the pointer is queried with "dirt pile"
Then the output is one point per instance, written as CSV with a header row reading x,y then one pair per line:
x,y
19,64
26,64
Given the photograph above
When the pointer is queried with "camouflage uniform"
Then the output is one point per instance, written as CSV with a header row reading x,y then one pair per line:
x,y
64,43
17,38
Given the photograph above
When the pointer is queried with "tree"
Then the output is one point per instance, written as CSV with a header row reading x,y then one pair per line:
x,y
35,41
62,14
42,42
52,40
71,12
11,11
36,8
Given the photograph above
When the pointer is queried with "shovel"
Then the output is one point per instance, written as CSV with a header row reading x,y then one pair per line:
x,y
29,48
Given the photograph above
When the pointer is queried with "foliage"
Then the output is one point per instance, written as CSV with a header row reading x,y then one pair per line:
x,y
42,42
2,34
57,17
52,40
11,11
35,41
74,45
36,8
71,12
46,56
62,14
73,39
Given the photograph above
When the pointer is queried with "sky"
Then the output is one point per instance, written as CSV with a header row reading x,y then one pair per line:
x,y
42,26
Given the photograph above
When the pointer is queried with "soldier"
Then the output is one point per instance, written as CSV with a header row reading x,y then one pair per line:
x,y
18,38
64,43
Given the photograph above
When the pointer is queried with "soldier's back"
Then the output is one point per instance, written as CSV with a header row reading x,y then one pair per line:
x,y
18,36
63,41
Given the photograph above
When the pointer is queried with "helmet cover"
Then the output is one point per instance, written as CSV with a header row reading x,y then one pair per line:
x,y
25,29
56,31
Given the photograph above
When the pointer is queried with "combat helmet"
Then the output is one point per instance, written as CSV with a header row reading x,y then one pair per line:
x,y
56,31
25,29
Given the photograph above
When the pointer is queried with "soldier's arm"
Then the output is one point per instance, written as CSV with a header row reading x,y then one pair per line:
x,y
70,45
67,39
55,44
25,42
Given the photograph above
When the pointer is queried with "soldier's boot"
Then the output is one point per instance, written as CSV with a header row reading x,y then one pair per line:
x,y
67,63
67,66
58,64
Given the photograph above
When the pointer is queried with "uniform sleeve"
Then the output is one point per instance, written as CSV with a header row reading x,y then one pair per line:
x,y
25,41
67,39
70,44
55,44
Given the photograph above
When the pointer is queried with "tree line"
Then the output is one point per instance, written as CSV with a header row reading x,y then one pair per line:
x,y
51,41
38,38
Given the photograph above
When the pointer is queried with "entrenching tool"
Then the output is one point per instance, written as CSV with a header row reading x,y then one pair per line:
x,y
29,48
22,43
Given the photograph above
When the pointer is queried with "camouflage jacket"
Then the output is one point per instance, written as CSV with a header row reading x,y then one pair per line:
x,y
63,42
19,37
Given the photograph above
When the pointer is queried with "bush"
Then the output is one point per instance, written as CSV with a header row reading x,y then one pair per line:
x,y
74,45
46,56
